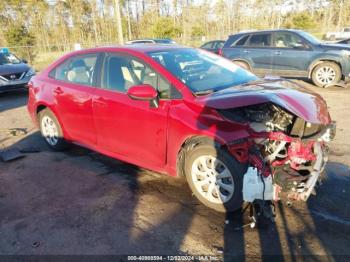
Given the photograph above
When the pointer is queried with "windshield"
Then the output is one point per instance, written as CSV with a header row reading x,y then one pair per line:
x,y
8,58
312,39
202,71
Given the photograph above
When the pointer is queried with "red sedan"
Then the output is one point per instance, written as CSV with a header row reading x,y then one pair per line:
x,y
185,111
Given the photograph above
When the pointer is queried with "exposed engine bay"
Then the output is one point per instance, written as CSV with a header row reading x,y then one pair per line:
x,y
285,151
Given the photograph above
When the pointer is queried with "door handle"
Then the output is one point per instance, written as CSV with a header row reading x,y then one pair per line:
x,y
246,51
277,52
58,91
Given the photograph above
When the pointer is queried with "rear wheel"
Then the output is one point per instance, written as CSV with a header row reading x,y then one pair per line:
x,y
326,73
51,130
215,177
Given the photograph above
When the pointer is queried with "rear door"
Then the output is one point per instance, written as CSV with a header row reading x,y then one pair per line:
x,y
292,55
131,128
258,51
73,86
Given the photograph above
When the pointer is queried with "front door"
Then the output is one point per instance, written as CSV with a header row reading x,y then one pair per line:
x,y
292,55
131,128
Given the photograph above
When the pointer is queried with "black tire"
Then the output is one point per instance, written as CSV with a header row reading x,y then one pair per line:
x,y
61,143
322,66
242,64
236,169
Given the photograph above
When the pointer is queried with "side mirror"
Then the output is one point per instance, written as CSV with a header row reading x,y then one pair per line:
x,y
24,61
144,93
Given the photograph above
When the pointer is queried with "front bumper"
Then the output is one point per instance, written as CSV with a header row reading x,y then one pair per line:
x,y
13,84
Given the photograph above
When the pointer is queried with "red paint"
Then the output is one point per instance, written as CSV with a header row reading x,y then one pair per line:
x,y
299,151
112,123
220,51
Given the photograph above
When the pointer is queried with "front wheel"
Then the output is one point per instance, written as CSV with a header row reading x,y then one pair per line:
x,y
326,74
215,177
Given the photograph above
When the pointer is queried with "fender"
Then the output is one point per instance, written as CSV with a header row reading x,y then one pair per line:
x,y
329,57
200,121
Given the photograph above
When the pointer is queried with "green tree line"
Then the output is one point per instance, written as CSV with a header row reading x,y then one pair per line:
x,y
57,24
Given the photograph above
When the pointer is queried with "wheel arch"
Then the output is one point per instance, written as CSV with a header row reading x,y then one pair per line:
x,y
42,106
190,143
242,60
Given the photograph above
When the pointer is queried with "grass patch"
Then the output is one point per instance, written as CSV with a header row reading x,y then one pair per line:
x,y
43,60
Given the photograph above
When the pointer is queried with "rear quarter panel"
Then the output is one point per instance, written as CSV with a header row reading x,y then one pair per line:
x,y
41,95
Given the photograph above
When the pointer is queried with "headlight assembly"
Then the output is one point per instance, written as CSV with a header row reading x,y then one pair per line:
x,y
30,72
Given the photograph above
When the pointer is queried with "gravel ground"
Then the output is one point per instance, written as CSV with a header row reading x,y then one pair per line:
x,y
80,202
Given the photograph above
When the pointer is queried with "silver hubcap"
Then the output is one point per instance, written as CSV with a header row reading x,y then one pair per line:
x,y
49,130
212,179
325,75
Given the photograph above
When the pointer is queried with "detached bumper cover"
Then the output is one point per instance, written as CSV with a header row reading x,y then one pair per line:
x,y
294,172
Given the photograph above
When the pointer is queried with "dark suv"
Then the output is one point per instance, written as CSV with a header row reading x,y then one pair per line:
x,y
289,53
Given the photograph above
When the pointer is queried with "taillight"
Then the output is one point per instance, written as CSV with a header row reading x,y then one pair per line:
x,y
220,51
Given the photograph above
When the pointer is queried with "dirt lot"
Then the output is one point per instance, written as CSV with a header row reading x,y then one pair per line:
x,y
80,202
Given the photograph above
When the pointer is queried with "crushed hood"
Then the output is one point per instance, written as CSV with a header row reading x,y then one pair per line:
x,y
286,94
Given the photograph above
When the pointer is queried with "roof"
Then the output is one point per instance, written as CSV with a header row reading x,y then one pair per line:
x,y
143,48
266,31
142,39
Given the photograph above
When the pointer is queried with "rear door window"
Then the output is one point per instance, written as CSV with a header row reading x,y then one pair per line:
x,y
260,40
79,69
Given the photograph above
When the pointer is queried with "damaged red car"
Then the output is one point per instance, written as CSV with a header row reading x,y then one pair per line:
x,y
187,112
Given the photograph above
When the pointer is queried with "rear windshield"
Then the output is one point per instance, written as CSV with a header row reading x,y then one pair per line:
x,y
164,41
201,70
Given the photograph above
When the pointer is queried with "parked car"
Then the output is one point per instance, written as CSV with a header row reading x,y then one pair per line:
x,y
14,72
213,46
289,53
151,41
344,42
185,111
343,34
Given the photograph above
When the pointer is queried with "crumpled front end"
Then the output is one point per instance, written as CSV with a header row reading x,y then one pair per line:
x,y
286,154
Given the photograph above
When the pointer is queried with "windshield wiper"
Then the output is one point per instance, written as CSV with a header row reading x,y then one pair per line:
x,y
204,92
